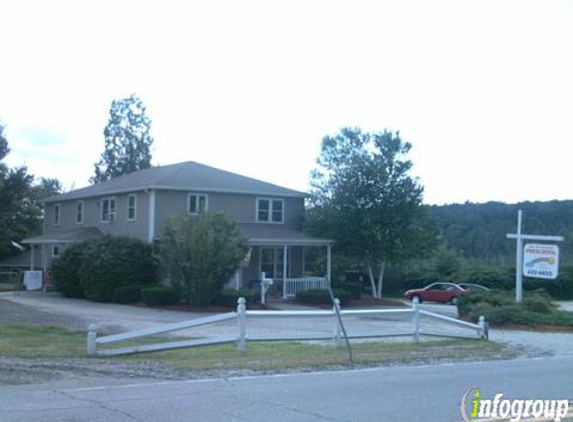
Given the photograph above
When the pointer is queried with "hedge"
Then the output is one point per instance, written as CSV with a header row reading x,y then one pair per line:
x,y
98,269
127,294
66,271
230,297
322,296
159,295
499,308
110,262
355,289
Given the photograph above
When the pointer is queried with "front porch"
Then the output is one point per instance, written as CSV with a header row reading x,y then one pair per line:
x,y
283,255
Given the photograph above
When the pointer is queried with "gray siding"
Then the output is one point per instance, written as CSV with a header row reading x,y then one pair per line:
x,y
92,216
168,203
241,208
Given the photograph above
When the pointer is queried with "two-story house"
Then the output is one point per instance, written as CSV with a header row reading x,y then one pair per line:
x,y
140,203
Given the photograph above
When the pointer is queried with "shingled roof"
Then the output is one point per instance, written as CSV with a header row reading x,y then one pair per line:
x,y
181,176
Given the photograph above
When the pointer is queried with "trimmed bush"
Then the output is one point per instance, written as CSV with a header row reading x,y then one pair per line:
x,y
355,289
230,297
159,295
110,262
322,296
66,271
127,294
499,308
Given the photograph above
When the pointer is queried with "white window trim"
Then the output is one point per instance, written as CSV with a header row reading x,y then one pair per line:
x,y
197,194
134,196
59,214
83,212
109,220
270,219
54,248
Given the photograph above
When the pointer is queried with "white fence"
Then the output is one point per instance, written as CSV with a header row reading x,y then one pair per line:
x,y
243,316
291,286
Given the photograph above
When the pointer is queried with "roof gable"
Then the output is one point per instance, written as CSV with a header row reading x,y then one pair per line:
x,y
181,176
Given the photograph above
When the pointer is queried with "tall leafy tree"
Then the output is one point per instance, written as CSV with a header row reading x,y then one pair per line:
x,y
20,207
365,198
4,150
128,140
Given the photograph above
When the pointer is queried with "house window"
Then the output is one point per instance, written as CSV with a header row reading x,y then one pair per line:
x,y
55,251
270,210
198,203
80,212
108,210
131,208
57,215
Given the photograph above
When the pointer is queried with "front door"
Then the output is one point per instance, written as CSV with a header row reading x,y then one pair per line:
x,y
272,262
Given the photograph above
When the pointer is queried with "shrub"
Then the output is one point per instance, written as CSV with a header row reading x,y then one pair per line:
x,y
66,271
200,255
499,308
127,294
493,277
110,262
159,295
322,296
355,289
230,297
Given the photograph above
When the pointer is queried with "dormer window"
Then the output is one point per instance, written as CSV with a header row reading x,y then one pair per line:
x,y
108,210
198,203
270,210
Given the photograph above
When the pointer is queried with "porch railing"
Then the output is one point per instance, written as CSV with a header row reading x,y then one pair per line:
x,y
291,286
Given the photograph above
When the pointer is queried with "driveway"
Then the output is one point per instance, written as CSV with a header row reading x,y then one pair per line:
x,y
117,318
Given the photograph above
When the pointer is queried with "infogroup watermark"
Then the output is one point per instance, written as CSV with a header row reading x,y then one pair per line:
x,y
475,407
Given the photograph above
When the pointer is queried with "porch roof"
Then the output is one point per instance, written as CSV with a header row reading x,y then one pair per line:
x,y
69,236
259,234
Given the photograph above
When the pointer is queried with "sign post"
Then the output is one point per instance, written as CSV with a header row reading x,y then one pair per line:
x,y
544,254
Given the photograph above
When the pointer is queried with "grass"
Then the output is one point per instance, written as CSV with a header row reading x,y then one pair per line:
x,y
10,287
50,342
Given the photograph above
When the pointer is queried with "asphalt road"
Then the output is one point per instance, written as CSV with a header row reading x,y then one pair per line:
x,y
410,394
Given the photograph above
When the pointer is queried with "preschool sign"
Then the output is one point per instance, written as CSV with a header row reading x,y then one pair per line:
x,y
540,261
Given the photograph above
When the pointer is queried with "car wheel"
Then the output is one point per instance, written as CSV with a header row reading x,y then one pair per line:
x,y
419,298
454,301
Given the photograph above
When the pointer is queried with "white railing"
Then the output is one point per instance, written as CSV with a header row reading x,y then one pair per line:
x,y
243,316
291,286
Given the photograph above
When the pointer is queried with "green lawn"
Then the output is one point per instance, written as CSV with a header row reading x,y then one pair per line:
x,y
50,342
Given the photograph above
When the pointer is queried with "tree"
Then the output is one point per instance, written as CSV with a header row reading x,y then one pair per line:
x,y
20,207
127,140
201,255
4,150
365,198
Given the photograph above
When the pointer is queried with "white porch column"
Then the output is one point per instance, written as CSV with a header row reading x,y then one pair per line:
x,y
285,257
285,262
32,257
151,213
328,261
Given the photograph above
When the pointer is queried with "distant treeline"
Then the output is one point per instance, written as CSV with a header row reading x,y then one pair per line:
x,y
478,231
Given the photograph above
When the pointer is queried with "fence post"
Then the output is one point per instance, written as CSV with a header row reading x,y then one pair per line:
x,y
337,328
483,329
416,319
242,321
92,335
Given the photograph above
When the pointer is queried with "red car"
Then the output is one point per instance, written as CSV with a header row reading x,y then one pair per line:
x,y
437,292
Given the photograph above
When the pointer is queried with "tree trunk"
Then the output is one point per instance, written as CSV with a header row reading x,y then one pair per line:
x,y
372,283
380,279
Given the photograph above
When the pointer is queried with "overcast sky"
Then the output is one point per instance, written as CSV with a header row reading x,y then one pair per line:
x,y
482,89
